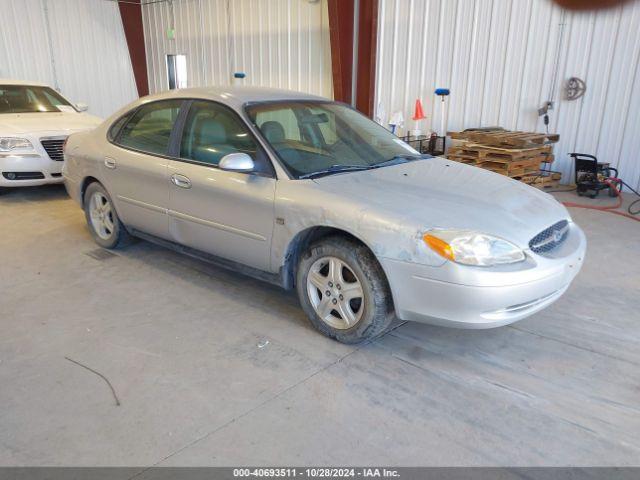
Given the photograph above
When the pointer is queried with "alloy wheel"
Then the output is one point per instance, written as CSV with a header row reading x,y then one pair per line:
x,y
335,292
101,214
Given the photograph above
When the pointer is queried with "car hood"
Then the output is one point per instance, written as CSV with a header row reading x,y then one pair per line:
x,y
23,123
440,193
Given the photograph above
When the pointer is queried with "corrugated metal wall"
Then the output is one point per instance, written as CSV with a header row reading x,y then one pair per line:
x,y
277,43
75,45
497,57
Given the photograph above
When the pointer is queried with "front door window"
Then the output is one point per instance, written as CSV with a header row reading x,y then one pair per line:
x,y
213,131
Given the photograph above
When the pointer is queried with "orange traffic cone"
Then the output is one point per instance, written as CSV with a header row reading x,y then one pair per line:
x,y
417,116
419,113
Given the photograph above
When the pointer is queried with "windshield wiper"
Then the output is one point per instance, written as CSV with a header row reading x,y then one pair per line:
x,y
336,169
398,159
402,158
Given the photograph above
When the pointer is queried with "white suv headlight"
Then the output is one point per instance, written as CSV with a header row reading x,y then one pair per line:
x,y
472,248
8,144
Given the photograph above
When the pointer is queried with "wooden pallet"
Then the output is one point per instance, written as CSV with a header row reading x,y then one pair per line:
x,y
542,179
505,138
512,168
514,154
548,158
497,154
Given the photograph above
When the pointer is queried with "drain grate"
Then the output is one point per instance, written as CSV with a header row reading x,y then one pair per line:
x,y
100,254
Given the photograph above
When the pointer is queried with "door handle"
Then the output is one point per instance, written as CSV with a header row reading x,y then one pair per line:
x,y
109,163
180,181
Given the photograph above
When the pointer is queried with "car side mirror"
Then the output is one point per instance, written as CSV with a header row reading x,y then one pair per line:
x,y
237,162
83,107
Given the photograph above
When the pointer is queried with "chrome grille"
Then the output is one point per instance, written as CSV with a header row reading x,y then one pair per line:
x,y
550,238
53,147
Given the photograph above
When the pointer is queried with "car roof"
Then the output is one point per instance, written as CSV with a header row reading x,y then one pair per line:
x,y
235,96
10,81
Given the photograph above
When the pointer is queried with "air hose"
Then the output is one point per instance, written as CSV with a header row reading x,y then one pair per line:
x,y
613,184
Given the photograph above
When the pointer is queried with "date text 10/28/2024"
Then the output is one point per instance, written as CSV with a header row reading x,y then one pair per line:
x,y
316,472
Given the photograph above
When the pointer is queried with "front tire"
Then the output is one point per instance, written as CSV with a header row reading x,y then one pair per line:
x,y
106,228
343,290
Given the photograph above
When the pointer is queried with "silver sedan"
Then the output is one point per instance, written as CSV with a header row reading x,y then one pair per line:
x,y
309,194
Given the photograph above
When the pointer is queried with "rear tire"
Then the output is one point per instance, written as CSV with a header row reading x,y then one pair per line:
x,y
344,291
106,228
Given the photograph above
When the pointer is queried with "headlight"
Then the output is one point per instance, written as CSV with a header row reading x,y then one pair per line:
x,y
9,143
472,248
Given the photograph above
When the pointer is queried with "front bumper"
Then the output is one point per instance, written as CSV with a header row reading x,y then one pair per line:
x,y
29,165
461,296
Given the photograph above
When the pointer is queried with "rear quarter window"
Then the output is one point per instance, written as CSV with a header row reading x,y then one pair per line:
x,y
117,126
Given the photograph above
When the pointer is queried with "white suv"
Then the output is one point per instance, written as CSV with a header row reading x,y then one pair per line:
x,y
35,120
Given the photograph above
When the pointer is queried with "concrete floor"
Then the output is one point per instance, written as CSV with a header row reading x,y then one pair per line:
x,y
185,346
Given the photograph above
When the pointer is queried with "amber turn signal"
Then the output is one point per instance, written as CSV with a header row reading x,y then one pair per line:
x,y
439,246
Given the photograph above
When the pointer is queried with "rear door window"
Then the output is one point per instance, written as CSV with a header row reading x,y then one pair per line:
x,y
149,129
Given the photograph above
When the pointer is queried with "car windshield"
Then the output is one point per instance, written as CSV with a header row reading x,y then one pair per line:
x,y
31,99
322,138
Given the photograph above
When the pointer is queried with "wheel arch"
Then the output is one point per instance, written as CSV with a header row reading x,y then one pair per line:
x,y
84,185
88,180
303,239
